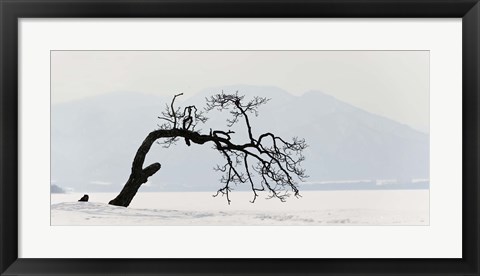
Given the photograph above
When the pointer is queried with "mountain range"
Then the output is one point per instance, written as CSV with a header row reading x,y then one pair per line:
x,y
94,140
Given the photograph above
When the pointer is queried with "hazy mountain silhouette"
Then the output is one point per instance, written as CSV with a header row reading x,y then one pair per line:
x,y
95,139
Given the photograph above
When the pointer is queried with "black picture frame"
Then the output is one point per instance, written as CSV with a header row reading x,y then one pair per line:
x,y
12,10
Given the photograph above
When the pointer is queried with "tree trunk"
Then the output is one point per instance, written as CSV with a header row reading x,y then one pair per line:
x,y
139,175
133,184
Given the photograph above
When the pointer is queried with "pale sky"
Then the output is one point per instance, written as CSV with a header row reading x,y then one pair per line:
x,y
394,84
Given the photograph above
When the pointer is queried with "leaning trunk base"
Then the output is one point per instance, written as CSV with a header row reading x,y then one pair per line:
x,y
127,194
134,182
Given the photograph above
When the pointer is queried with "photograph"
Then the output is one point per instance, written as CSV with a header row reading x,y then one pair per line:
x,y
322,137
239,138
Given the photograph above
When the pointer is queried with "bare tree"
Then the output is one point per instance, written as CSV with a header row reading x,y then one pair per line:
x,y
276,161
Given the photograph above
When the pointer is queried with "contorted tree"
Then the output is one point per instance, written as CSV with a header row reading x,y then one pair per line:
x,y
273,159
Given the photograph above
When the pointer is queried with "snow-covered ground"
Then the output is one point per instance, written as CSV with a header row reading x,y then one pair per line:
x,y
372,207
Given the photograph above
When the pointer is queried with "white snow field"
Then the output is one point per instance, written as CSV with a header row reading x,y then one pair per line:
x,y
367,207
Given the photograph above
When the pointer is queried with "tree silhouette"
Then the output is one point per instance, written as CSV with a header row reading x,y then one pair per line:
x,y
276,161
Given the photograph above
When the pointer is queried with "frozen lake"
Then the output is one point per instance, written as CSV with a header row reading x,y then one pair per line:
x,y
372,207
